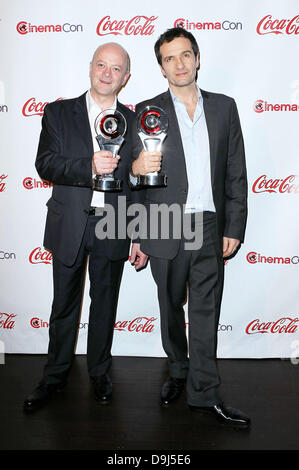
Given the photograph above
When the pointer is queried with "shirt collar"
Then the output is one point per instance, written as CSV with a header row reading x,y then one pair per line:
x,y
177,100
93,106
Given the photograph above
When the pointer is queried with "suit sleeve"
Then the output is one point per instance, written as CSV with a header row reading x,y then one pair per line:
x,y
236,181
138,193
136,149
51,164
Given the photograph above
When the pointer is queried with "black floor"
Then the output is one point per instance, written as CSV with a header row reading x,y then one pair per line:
x,y
267,390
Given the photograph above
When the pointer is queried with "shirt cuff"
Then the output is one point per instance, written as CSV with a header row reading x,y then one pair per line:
x,y
133,180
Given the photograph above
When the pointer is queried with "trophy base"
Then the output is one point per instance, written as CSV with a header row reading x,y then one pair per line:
x,y
107,185
152,180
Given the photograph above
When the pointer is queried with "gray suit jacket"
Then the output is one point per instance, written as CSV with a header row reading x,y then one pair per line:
x,y
228,168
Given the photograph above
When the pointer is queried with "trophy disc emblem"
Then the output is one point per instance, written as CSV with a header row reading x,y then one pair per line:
x,y
110,127
152,126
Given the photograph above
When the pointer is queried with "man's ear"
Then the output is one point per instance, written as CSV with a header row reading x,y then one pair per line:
x,y
126,78
198,62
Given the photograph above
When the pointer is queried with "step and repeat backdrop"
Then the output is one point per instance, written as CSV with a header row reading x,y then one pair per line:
x,y
249,50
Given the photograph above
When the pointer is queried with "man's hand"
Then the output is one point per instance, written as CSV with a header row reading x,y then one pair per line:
x,y
138,258
103,162
229,246
147,162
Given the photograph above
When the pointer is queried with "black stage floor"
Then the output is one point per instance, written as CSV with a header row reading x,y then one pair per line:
x,y
267,390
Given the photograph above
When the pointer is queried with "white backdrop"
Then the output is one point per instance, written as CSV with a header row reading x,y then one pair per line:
x,y
249,50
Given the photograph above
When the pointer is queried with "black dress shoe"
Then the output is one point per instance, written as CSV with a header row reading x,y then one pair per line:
x,y
102,388
226,415
41,395
171,390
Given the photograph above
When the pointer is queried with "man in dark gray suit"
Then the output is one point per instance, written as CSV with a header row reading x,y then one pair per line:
x,y
203,158
69,157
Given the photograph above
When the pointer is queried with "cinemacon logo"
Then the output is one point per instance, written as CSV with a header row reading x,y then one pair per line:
x,y
288,185
32,183
25,28
225,25
261,106
4,255
38,323
282,325
138,25
253,258
268,25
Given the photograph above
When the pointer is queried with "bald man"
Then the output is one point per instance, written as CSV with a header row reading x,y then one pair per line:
x,y
69,157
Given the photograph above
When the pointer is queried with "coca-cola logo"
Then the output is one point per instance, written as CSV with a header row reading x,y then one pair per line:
x,y
268,25
7,320
2,182
288,185
137,325
253,258
225,25
138,25
32,107
23,27
32,183
261,106
282,325
39,256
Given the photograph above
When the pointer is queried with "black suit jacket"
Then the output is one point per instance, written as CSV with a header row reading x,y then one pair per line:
x,y
228,168
64,158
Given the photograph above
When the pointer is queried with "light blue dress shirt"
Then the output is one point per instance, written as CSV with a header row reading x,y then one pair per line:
x,y
195,139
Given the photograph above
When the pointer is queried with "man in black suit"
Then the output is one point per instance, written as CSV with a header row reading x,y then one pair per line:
x,y
203,158
69,157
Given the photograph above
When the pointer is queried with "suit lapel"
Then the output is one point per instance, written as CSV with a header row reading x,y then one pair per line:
x,y
82,121
211,120
174,135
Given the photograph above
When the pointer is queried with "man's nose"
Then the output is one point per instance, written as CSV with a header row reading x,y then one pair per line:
x,y
107,71
179,63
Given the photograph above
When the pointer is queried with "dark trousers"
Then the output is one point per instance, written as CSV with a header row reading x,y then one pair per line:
x,y
198,274
105,277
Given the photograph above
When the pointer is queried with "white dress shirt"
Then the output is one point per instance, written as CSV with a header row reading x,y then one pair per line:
x,y
93,110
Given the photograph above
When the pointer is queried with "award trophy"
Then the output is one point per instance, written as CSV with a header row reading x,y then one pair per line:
x,y
110,127
152,125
